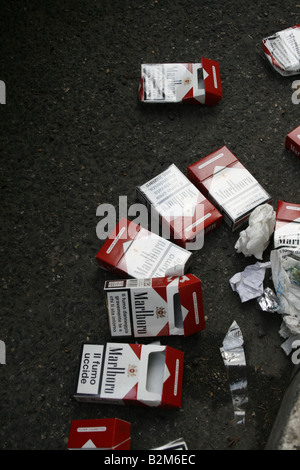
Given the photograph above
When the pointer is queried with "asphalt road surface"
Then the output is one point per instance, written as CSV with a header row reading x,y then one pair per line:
x,y
73,137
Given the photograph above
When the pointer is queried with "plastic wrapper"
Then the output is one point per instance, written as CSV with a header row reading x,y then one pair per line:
x,y
267,302
256,237
282,50
234,360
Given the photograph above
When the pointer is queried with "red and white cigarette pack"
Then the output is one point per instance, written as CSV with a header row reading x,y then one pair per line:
x,y
105,433
132,251
292,141
197,83
222,178
137,374
155,307
287,225
282,50
183,211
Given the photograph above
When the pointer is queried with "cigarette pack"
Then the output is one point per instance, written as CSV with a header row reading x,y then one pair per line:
x,y
132,251
155,307
292,141
222,178
105,433
197,83
287,225
137,374
182,210
282,50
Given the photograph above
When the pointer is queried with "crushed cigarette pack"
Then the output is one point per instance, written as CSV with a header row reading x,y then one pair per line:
x,y
222,178
155,307
183,212
137,374
287,225
282,50
197,83
104,433
292,141
133,251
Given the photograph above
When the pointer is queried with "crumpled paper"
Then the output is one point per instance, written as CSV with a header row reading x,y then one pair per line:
x,y
256,237
249,283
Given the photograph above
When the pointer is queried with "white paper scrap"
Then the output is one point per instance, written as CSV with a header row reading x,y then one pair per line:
x,y
249,283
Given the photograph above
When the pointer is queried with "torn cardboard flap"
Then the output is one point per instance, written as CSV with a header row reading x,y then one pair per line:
x,y
133,251
155,307
120,373
231,188
197,83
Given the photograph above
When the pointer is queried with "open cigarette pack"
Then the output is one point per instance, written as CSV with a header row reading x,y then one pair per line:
x,y
155,307
121,373
197,83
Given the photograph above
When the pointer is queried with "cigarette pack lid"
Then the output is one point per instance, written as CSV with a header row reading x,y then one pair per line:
x,y
198,83
210,165
134,251
287,226
117,243
288,211
160,378
106,433
292,141
212,80
192,301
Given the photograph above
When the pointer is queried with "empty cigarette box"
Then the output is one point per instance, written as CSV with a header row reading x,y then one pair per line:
x,y
197,83
133,251
287,225
292,141
119,373
182,210
155,307
232,189
105,433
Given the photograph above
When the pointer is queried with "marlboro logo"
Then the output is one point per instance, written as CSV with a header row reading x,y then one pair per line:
x,y
160,312
132,370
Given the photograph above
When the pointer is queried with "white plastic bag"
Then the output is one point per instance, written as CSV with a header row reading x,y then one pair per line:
x,y
285,266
